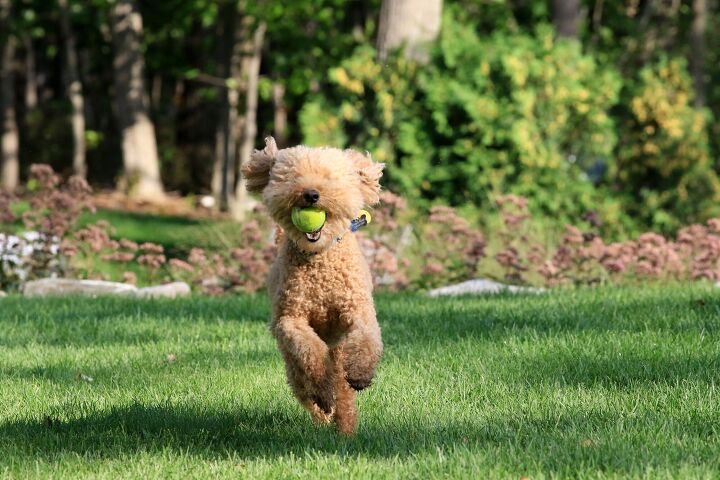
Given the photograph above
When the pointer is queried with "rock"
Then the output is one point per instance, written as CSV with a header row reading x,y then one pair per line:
x,y
66,286
169,290
2,294
481,286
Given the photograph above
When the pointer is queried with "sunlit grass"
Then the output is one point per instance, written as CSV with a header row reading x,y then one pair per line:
x,y
596,383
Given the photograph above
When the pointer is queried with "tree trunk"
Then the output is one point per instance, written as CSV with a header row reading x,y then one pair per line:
x,y
74,91
31,88
596,21
280,114
10,169
140,156
230,58
156,96
697,50
566,17
241,202
231,138
409,23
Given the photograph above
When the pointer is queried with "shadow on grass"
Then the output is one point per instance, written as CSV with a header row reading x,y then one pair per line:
x,y
123,375
407,321
104,322
623,368
420,320
553,443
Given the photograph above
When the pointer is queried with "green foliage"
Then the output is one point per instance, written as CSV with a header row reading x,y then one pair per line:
x,y
663,160
512,113
503,107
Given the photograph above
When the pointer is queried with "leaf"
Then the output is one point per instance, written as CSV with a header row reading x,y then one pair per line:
x,y
81,377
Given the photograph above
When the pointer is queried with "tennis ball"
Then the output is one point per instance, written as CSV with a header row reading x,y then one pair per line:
x,y
308,219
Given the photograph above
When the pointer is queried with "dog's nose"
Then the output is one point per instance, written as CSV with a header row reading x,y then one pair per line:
x,y
311,195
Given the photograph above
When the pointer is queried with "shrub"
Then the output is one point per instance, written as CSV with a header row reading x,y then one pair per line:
x,y
512,113
386,242
664,166
237,269
54,209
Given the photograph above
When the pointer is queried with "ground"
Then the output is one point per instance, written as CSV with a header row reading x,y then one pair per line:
x,y
592,383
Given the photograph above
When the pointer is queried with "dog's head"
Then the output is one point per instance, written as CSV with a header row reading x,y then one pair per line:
x,y
340,182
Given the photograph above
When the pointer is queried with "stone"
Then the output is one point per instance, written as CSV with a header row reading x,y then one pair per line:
x,y
66,286
169,290
2,294
481,286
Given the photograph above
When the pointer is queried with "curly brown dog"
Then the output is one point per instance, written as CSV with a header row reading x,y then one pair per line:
x,y
323,314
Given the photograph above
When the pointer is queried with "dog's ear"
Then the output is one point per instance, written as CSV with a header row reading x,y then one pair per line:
x,y
257,170
370,173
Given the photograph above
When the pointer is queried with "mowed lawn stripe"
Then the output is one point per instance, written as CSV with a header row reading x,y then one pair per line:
x,y
604,383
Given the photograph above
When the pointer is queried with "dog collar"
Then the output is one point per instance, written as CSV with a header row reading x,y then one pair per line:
x,y
363,219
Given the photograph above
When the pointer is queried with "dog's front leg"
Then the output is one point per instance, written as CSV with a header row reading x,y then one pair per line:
x,y
362,346
309,355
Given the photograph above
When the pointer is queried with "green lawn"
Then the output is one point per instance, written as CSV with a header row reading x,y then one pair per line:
x,y
177,234
600,383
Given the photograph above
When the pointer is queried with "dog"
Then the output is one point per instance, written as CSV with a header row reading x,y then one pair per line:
x,y
323,315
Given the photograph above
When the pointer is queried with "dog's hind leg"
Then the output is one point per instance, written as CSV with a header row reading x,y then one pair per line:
x,y
345,396
303,390
309,366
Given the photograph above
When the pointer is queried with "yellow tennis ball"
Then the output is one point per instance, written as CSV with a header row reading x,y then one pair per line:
x,y
308,219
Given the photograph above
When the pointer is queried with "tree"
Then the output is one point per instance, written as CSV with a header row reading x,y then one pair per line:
x,y
241,202
566,17
409,23
31,100
697,50
10,169
74,91
228,128
235,138
279,114
140,156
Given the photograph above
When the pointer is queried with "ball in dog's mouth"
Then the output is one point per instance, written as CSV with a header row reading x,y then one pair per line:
x,y
309,220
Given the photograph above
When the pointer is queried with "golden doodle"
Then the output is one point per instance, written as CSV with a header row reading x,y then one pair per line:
x,y
323,315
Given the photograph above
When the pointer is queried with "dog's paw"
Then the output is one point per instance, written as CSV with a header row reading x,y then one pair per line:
x,y
325,405
318,414
321,416
359,383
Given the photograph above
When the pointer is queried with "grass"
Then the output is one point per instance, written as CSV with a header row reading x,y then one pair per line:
x,y
597,383
177,234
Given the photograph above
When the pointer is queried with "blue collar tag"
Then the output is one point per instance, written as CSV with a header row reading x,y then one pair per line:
x,y
363,219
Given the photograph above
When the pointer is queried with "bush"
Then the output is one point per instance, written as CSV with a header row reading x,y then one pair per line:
x,y
663,165
53,246
54,209
512,113
405,249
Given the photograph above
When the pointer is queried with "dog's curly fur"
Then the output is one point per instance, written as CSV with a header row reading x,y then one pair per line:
x,y
323,313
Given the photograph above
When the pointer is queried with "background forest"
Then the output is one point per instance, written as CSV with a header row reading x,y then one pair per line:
x,y
598,113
